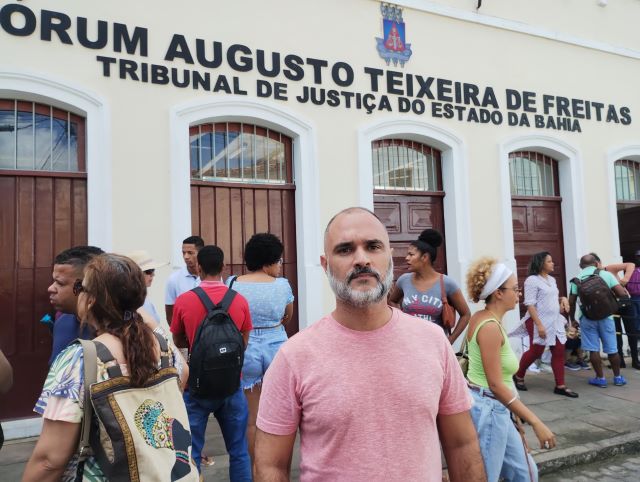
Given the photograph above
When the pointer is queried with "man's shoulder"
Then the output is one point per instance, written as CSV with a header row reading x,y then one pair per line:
x,y
174,276
307,339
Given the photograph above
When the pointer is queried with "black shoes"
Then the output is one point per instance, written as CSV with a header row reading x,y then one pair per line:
x,y
566,392
519,383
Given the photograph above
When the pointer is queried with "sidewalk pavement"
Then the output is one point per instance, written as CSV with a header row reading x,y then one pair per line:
x,y
601,423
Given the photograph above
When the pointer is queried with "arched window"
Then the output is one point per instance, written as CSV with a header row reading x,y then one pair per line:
x,y
533,174
237,152
405,165
627,181
37,137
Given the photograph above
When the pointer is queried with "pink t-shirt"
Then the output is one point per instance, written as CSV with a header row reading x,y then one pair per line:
x,y
366,402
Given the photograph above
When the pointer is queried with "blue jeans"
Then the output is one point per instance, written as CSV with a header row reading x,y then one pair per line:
x,y
501,446
232,414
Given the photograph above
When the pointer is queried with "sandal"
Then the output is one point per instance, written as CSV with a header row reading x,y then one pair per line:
x,y
566,392
519,383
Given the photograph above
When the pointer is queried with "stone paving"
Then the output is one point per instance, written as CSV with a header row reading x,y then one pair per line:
x,y
601,423
623,468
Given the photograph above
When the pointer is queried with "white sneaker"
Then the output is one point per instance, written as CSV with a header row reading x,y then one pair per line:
x,y
545,368
533,368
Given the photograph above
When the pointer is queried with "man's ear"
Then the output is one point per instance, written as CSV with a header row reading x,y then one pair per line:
x,y
323,262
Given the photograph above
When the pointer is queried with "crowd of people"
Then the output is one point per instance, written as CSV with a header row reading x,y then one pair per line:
x,y
125,399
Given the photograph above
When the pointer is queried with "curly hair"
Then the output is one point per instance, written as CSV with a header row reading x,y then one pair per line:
x,y
118,289
428,242
477,276
263,249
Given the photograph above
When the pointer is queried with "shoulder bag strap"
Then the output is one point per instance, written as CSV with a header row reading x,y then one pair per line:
x,y
443,294
164,351
204,298
233,280
90,365
106,357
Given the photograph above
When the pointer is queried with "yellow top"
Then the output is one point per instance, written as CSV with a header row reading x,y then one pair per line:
x,y
508,359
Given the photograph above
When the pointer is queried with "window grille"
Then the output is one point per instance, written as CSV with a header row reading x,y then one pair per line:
x,y
406,166
627,173
533,174
238,152
38,137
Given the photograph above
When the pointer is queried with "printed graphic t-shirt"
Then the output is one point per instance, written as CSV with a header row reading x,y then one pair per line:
x,y
424,304
360,398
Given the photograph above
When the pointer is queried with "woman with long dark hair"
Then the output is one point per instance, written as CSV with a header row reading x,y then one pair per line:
x,y
543,302
112,290
491,366
420,292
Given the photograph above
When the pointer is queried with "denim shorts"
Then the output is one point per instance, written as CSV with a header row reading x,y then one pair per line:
x,y
592,331
262,348
501,445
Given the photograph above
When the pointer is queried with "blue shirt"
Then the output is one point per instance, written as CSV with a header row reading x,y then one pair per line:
x,y
267,301
179,282
66,329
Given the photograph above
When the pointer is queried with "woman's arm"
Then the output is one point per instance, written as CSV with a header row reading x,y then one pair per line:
x,y
58,442
288,313
458,302
490,340
628,269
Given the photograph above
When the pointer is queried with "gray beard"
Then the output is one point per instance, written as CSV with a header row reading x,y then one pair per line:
x,y
361,299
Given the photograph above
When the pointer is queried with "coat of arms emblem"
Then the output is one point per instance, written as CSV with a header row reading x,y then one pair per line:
x,y
393,46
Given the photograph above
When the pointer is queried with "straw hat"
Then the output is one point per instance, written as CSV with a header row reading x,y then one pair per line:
x,y
145,261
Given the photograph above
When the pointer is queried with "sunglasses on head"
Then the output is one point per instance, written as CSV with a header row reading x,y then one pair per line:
x,y
77,287
150,272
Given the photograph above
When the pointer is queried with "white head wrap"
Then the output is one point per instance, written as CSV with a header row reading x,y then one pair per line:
x,y
499,275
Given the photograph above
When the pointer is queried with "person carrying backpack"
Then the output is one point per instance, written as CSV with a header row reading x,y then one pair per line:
x,y
633,287
598,291
123,388
214,323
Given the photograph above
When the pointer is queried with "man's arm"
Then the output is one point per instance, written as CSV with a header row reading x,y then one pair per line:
x,y
620,291
168,311
461,448
572,308
272,456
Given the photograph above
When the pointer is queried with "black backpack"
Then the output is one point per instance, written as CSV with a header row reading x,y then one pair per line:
x,y
597,301
217,351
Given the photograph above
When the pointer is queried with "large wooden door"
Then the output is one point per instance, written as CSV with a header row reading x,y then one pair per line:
x,y
40,215
537,213
228,216
242,184
405,217
43,210
407,179
537,226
